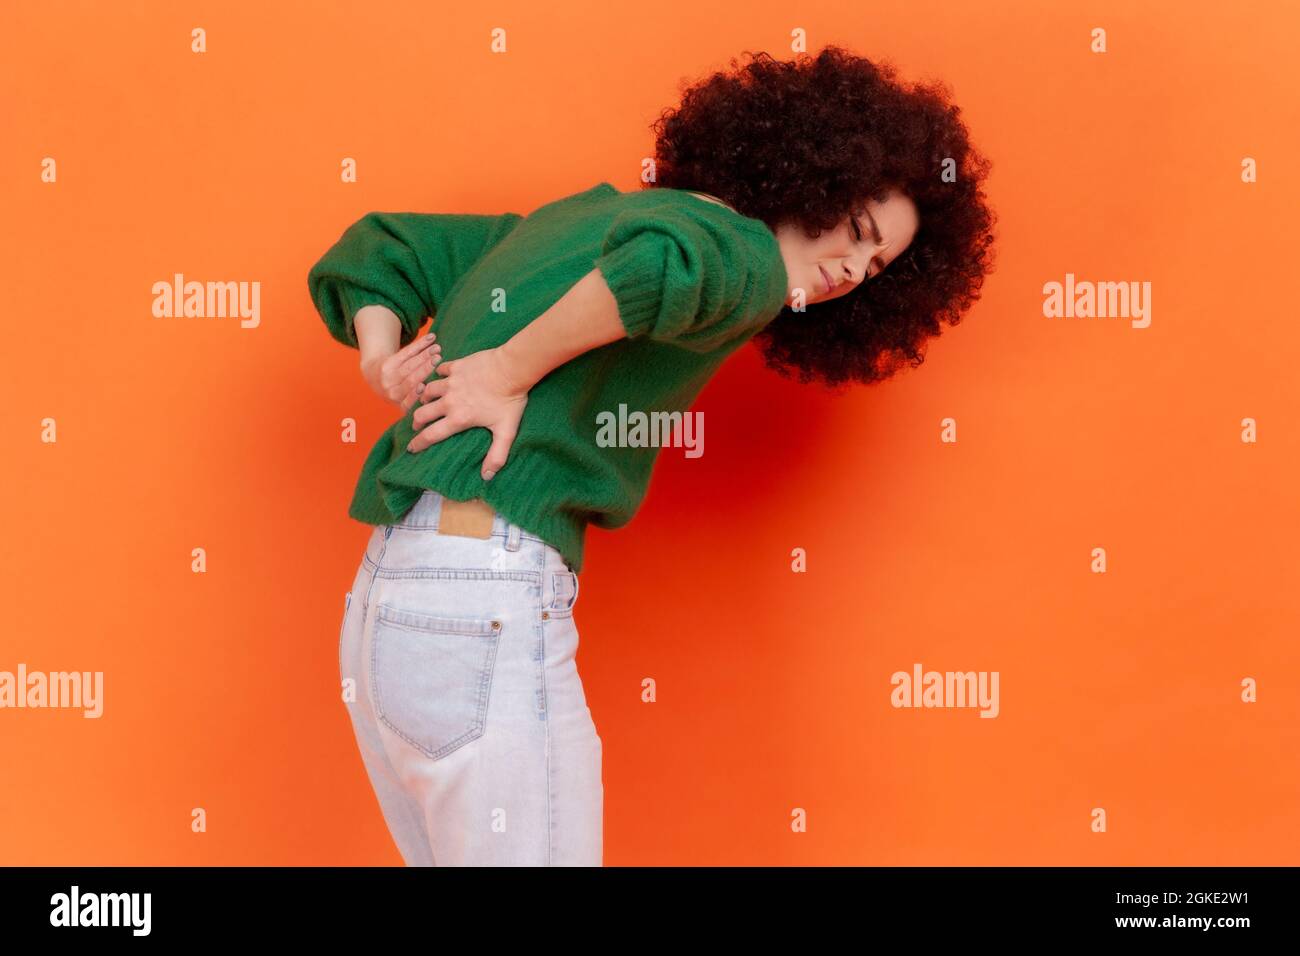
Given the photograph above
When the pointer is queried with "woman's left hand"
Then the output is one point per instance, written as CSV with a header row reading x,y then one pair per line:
x,y
475,390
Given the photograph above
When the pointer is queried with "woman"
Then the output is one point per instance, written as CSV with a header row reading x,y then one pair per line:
x,y
817,207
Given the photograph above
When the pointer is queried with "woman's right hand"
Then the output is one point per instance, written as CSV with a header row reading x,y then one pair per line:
x,y
395,377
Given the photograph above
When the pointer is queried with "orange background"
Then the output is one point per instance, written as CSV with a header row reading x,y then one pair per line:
x,y
1118,690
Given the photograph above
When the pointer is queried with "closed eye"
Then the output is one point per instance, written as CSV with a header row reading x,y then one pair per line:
x,y
857,234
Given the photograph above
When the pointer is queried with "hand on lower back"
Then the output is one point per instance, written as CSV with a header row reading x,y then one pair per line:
x,y
396,377
476,390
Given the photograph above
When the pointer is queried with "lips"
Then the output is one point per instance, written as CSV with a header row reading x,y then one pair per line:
x,y
826,277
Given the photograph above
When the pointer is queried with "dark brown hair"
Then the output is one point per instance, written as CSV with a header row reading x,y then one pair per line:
x,y
808,141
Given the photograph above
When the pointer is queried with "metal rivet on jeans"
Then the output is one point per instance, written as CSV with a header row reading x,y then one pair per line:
x,y
546,615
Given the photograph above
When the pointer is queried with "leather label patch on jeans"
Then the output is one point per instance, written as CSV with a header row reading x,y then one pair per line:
x,y
471,519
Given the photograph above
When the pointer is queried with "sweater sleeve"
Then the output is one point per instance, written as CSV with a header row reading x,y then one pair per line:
x,y
403,260
693,279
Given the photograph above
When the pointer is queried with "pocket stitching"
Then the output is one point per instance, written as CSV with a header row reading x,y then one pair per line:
x,y
562,610
388,616
417,621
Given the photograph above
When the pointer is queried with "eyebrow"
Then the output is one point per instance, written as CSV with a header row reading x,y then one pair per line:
x,y
875,234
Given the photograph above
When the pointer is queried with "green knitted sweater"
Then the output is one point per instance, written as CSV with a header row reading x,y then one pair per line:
x,y
694,280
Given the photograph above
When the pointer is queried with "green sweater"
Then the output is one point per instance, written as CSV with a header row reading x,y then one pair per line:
x,y
694,281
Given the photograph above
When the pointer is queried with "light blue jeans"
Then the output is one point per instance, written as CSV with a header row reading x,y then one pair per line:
x,y
458,662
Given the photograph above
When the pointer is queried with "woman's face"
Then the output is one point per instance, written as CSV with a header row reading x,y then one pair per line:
x,y
855,251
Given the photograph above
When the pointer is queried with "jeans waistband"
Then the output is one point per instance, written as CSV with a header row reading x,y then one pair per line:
x,y
423,516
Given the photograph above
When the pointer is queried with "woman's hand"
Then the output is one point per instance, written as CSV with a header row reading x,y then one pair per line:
x,y
479,389
397,377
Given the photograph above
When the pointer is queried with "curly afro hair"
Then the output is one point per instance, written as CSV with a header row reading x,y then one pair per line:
x,y
808,142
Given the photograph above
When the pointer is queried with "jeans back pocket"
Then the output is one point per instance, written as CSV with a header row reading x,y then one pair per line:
x,y
432,677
